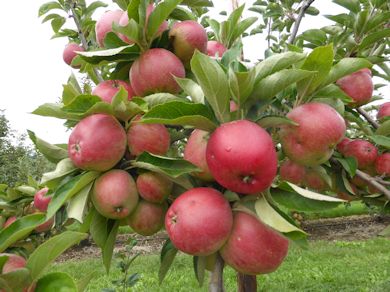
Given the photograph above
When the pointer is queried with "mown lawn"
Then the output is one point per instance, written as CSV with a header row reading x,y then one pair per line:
x,y
325,266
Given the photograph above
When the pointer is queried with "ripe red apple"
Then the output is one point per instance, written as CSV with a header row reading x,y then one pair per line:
x,y
70,53
199,221
314,181
114,194
14,262
363,151
9,221
341,146
153,138
186,37
383,111
97,142
382,164
153,72
195,152
241,156
215,48
104,25
154,187
320,128
106,90
292,172
253,248
46,226
358,86
148,218
41,201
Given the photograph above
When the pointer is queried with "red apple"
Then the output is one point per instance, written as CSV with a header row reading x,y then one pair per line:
x,y
342,145
97,142
358,86
382,164
363,151
70,53
104,25
233,106
241,156
9,221
153,138
148,218
315,181
14,262
106,90
114,194
153,72
292,172
186,37
154,187
199,221
253,248
41,201
45,226
195,152
320,128
215,48
383,111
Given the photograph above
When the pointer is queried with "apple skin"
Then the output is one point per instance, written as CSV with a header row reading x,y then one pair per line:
x,y
114,194
382,164
148,218
358,86
97,142
106,90
104,25
246,168
314,181
41,201
253,248
14,262
154,187
320,128
342,145
363,151
186,37
195,152
215,48
383,111
45,226
9,221
153,72
292,172
70,53
153,138
199,221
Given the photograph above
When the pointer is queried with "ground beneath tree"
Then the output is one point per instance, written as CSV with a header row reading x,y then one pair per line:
x,y
343,228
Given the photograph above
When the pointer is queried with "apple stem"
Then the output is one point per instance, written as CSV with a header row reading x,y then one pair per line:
x,y
246,283
302,11
367,117
216,278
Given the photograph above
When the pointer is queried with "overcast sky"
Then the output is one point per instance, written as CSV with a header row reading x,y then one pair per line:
x,y
32,69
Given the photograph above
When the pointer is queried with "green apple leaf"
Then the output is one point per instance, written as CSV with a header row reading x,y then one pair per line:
x,y
199,268
168,253
349,164
81,103
180,13
46,7
124,53
160,98
383,129
381,140
63,168
275,122
52,152
198,3
99,228
109,245
78,204
16,280
191,88
57,281
351,5
374,37
332,91
345,67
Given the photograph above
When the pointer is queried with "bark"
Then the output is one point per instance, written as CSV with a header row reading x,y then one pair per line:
x,y
246,283
216,279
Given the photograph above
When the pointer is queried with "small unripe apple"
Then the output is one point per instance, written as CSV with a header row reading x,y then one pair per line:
x,y
199,221
186,37
153,72
106,90
195,152
358,86
215,48
104,25
363,151
114,194
382,164
154,187
383,111
97,142
9,221
70,53
254,248
13,263
292,172
147,218
246,168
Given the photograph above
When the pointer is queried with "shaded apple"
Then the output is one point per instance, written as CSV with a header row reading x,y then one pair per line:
x,y
382,164
147,218
383,111
363,151
13,263
342,145
253,248
70,53
292,172
153,72
104,25
241,157
320,128
215,49
97,142
106,90
199,221
114,194
195,152
46,226
154,187
9,221
41,200
315,181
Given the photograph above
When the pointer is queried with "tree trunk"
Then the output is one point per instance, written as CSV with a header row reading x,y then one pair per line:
x,y
216,279
246,283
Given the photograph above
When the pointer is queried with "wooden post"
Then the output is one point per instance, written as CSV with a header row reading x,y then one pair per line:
x,y
216,279
246,283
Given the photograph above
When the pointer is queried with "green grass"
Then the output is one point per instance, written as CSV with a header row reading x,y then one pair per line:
x,y
325,266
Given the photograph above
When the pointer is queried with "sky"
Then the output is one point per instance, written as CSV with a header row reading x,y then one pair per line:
x,y
32,70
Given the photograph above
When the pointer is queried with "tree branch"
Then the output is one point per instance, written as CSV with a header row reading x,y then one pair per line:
x,y
306,4
216,278
373,182
367,117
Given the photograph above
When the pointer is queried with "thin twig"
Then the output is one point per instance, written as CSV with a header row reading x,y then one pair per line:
x,y
373,182
302,11
367,117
